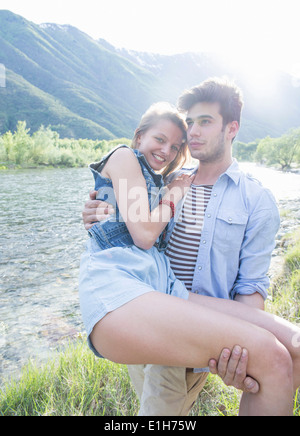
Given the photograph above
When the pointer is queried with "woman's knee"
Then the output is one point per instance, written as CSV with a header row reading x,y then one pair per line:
x,y
277,361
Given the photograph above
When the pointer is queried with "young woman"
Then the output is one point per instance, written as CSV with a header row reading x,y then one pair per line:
x,y
122,262
129,294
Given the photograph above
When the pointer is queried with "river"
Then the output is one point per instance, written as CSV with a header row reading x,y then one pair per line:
x,y
41,239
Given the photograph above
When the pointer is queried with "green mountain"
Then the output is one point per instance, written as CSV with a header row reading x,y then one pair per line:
x,y
59,76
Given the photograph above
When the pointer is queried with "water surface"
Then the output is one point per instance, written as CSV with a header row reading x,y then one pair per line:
x,y
41,238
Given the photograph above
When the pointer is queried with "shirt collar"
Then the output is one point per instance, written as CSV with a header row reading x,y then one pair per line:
x,y
233,172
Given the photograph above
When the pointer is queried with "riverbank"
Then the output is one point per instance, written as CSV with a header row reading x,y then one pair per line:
x,y
295,168
290,224
75,383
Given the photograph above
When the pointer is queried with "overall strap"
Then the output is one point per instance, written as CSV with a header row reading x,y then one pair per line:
x,y
98,166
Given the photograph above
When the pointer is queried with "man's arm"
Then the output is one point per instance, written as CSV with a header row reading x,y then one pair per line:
x,y
257,248
255,300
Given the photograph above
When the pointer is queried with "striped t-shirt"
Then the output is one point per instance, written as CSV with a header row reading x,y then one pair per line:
x,y
184,242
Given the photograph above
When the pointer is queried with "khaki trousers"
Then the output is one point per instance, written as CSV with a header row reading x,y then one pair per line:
x,y
164,390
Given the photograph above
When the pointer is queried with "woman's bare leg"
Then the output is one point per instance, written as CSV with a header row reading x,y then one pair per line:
x,y
288,334
164,330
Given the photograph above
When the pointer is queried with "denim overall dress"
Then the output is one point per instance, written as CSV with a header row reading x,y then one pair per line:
x,y
113,271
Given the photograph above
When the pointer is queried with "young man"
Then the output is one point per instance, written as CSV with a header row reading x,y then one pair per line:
x,y
219,243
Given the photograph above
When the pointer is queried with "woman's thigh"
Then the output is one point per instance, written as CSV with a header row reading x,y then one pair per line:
x,y
164,330
286,332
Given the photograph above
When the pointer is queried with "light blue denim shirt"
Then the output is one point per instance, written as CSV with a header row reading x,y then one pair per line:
x,y
238,237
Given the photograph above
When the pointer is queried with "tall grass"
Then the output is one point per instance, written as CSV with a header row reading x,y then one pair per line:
x,y
285,290
75,383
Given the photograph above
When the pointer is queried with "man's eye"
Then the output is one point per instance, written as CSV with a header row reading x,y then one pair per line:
x,y
204,122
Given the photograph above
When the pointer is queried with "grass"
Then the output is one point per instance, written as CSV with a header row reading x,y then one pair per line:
x,y
75,383
285,290
78,384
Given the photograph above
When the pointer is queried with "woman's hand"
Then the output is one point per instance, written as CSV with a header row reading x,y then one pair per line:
x,y
179,187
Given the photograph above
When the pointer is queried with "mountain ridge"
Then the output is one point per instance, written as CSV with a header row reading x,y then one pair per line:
x,y
85,88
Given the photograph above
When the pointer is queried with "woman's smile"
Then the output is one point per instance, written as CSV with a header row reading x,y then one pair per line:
x,y
159,158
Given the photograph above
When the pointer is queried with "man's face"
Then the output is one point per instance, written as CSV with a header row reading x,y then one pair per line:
x,y
206,136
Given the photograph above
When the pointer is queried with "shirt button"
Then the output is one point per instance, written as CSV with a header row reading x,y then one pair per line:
x,y
204,242
200,268
209,215
215,195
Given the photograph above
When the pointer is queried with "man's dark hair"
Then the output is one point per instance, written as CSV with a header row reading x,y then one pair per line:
x,y
215,90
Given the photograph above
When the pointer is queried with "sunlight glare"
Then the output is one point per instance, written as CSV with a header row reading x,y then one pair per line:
x,y
255,67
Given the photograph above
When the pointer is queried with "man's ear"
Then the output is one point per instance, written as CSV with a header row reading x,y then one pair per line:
x,y
233,129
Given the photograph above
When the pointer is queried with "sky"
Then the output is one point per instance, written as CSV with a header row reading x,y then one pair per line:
x,y
254,35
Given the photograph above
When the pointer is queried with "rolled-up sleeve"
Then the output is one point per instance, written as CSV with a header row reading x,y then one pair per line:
x,y
257,248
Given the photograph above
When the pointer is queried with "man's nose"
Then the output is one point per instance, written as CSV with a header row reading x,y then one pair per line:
x,y
195,130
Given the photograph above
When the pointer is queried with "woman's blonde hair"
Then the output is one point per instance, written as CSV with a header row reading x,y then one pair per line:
x,y
165,111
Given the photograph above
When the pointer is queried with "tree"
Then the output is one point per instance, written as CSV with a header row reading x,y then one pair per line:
x,y
43,146
243,151
8,147
264,151
22,143
295,133
283,151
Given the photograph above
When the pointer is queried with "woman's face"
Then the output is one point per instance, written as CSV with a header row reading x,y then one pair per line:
x,y
160,144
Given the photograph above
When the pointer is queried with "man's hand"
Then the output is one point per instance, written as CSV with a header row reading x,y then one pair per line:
x,y
95,210
232,368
